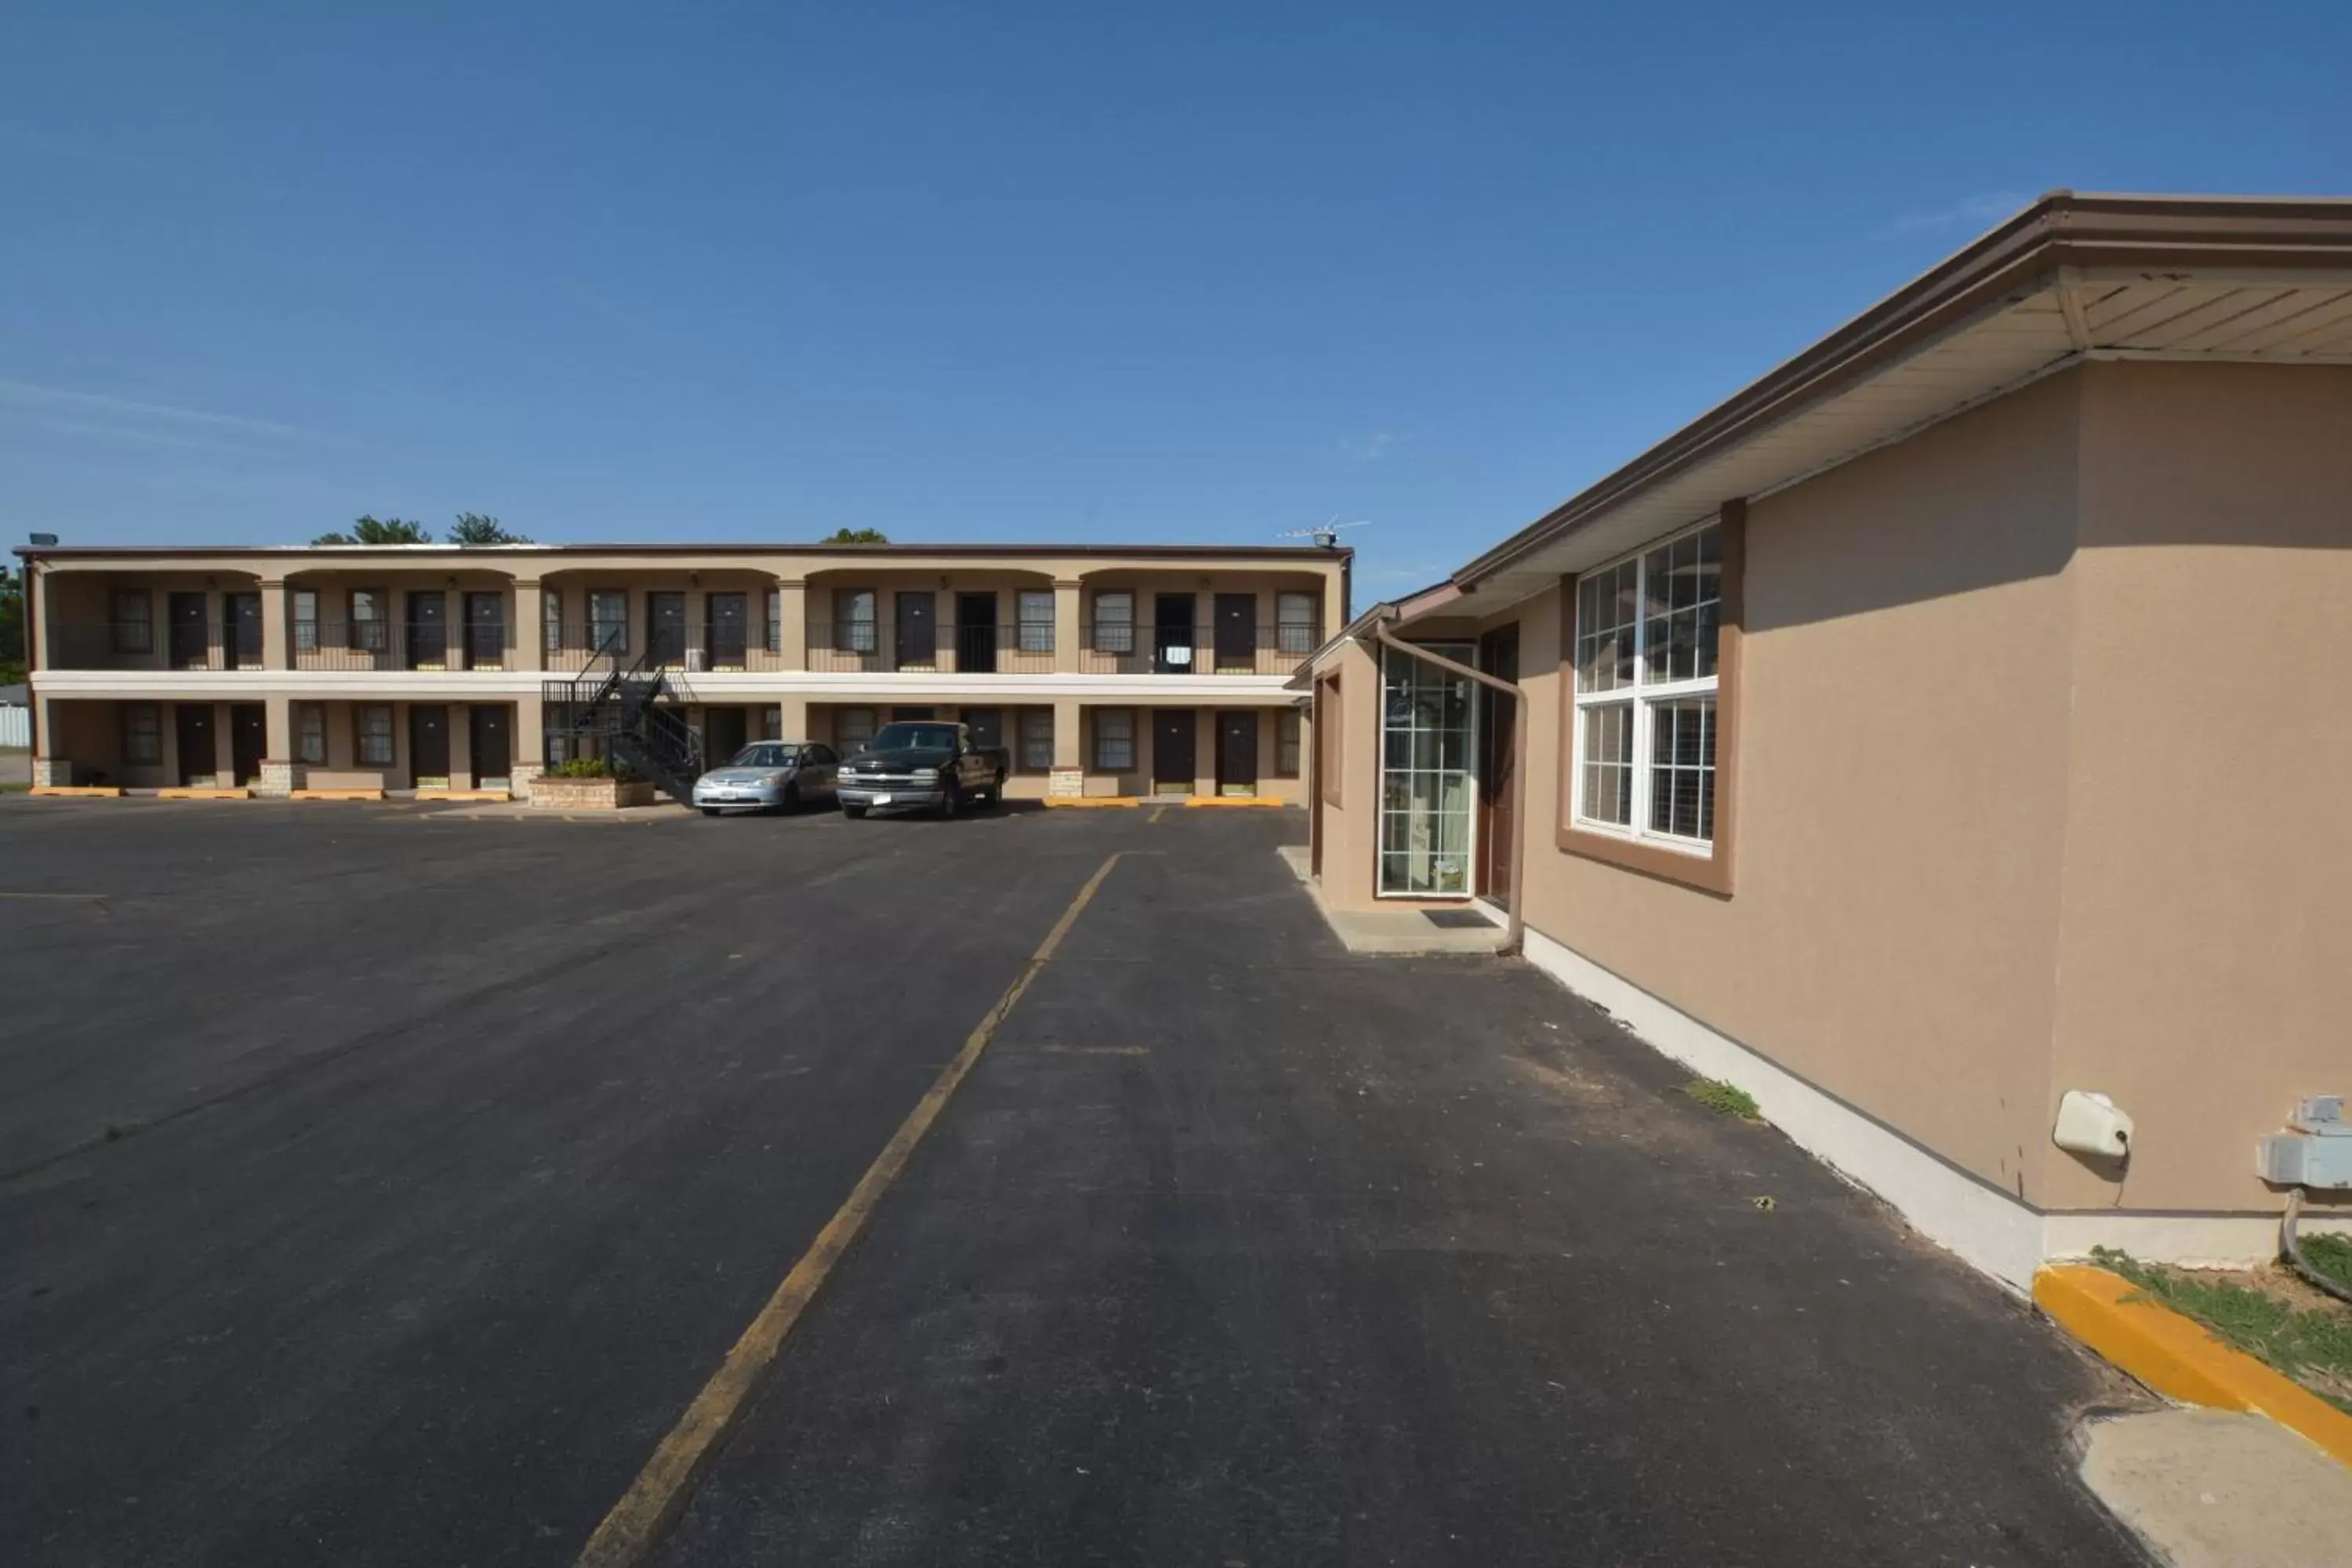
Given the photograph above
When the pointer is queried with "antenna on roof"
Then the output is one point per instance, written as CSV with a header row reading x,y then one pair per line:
x,y
1327,533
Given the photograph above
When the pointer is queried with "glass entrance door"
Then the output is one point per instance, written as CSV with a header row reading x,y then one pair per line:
x,y
1428,787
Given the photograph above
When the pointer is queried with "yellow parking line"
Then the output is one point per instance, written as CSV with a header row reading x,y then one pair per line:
x,y
637,1523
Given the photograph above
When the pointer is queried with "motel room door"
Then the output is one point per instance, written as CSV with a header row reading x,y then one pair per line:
x,y
428,743
197,758
248,741
1498,716
491,741
1237,752
1173,751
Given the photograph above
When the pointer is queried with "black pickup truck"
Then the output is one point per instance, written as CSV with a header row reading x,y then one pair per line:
x,y
931,766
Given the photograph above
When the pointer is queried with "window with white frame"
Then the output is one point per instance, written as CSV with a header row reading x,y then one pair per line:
x,y
986,724
1036,740
306,620
852,728
551,615
374,735
1286,743
1114,740
134,621
1115,623
143,733
310,734
1036,620
1294,616
854,630
1647,632
775,632
608,620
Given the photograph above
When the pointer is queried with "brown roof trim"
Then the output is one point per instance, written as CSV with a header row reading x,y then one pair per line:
x,y
530,552
2065,228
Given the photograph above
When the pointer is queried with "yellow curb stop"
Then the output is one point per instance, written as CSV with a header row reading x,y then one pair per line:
x,y
77,792
194,793
1235,800
337,794
1097,801
2179,1358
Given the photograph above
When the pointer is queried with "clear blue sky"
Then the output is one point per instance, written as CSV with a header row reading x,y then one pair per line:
x,y
1012,272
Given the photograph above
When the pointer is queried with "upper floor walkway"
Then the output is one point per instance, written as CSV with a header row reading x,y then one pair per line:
x,y
835,612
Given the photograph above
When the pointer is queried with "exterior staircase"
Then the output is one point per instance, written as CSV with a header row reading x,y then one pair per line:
x,y
632,713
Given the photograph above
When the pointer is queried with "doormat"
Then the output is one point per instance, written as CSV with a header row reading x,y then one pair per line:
x,y
1455,919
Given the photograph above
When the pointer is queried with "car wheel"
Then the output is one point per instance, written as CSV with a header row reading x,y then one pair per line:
x,y
791,799
853,812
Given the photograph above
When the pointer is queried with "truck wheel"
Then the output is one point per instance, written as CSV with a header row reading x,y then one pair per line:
x,y
853,812
951,799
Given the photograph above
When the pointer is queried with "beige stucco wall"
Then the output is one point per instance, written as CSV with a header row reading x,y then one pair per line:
x,y
1903,790
2205,947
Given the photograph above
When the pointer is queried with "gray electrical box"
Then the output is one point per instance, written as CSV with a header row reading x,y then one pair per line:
x,y
2319,1154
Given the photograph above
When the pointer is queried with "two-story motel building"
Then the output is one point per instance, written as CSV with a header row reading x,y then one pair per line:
x,y
1104,670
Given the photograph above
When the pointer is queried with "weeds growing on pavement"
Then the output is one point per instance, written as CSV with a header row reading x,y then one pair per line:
x,y
1728,1098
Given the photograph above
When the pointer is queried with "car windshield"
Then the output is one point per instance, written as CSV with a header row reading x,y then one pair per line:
x,y
770,754
922,737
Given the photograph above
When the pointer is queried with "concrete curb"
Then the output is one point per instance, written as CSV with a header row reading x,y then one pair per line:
x,y
2177,1357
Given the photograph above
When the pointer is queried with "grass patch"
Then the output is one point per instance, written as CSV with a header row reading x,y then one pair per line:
x,y
1728,1098
2310,1344
14,788
2330,1255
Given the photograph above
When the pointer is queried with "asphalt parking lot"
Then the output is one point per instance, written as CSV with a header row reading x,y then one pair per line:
x,y
379,1186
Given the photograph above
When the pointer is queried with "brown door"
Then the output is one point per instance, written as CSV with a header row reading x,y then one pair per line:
x,y
1172,749
428,631
1173,635
242,614
194,723
191,637
919,630
1236,753
1498,717
975,632
1237,631
492,741
486,630
729,633
248,741
723,733
665,629
429,743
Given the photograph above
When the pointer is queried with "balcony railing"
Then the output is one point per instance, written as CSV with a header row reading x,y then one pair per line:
x,y
210,643
963,649
691,646
401,645
1112,648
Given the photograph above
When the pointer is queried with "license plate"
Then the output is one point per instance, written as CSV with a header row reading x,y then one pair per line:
x,y
881,800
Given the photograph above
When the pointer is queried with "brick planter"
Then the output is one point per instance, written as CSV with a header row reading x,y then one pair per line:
x,y
590,795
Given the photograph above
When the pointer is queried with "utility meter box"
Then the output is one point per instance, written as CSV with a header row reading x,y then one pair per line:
x,y
2317,1154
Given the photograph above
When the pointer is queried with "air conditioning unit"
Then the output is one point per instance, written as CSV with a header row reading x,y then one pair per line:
x,y
697,660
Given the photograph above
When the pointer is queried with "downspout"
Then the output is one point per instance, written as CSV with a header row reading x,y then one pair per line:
x,y
33,661
1514,931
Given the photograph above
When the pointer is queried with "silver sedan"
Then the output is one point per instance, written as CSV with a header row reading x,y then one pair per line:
x,y
768,775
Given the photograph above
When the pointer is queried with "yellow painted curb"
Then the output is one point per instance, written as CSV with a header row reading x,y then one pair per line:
x,y
1235,800
337,794
77,792
2177,1357
204,795
490,795
1067,801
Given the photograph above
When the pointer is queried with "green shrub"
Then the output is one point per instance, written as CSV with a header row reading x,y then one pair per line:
x,y
582,768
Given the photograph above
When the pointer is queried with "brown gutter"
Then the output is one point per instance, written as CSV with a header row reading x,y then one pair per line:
x,y
440,551
2157,234
1514,931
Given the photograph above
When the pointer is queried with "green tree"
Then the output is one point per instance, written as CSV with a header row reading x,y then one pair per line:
x,y
474,528
373,530
855,536
12,627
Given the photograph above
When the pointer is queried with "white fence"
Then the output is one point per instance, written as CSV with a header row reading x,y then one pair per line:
x,y
16,726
